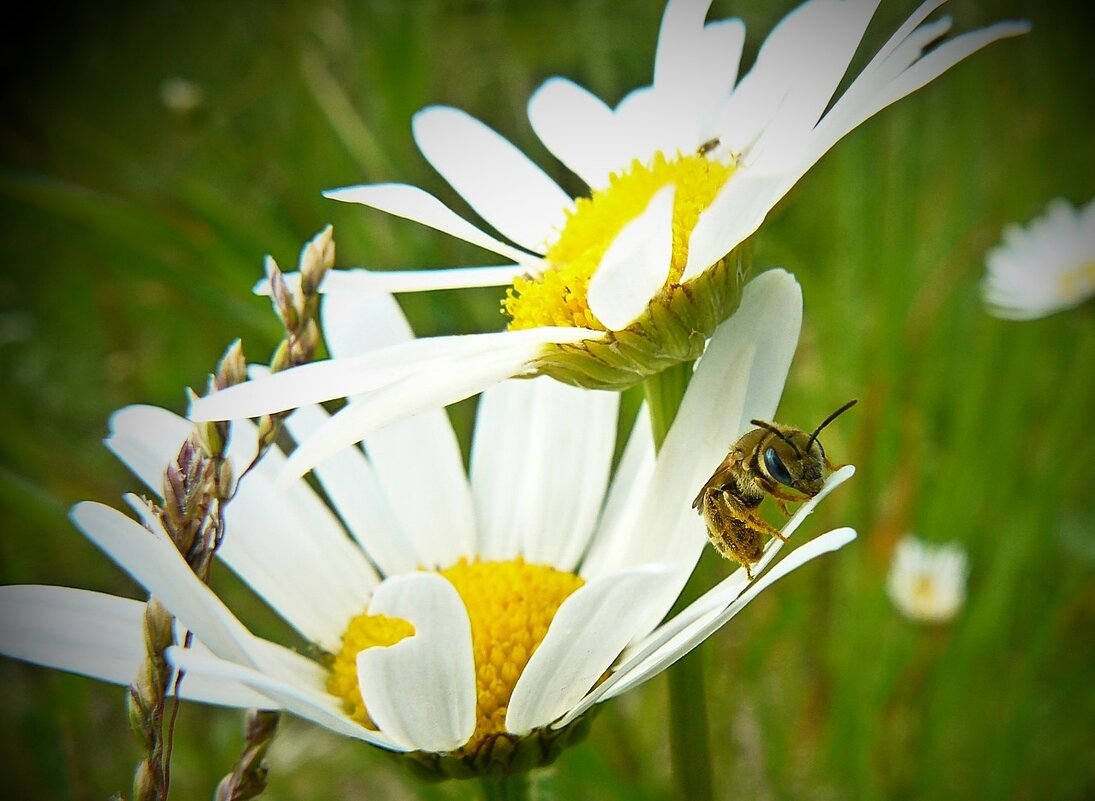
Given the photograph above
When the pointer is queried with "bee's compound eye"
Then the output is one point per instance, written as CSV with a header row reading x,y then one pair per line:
x,y
776,468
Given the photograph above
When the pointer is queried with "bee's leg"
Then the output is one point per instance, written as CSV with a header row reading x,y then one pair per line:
x,y
782,504
734,529
756,522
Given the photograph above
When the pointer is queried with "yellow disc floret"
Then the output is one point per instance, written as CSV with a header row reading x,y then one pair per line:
x,y
558,296
510,605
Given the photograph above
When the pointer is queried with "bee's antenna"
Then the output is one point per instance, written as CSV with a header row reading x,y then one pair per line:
x,y
828,420
778,433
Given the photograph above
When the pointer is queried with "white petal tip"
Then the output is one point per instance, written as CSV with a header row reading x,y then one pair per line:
x,y
342,193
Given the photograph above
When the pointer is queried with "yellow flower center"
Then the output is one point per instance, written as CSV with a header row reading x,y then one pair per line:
x,y
1077,284
510,606
558,297
924,591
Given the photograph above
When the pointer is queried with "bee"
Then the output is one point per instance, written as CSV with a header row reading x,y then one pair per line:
x,y
781,461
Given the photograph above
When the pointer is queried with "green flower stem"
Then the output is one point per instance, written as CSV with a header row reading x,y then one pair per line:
x,y
688,729
507,787
664,392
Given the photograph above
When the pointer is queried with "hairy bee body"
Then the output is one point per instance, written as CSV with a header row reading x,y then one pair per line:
x,y
772,460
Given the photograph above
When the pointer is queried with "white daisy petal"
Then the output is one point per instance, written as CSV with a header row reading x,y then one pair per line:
x,y
695,68
96,635
396,281
575,432
806,56
419,465
291,549
342,378
899,53
588,632
735,213
418,205
675,63
693,636
942,58
640,128
491,174
315,382
152,561
357,324
902,34
421,691
540,466
75,630
145,438
864,100
621,513
635,266
286,545
481,361
648,664
287,664
308,702
722,42
733,585
796,71
578,128
740,376
351,484
497,462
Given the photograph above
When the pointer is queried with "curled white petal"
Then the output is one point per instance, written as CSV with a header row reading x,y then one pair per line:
x,y
588,632
635,266
421,691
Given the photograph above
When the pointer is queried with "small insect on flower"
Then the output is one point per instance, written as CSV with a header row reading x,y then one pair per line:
x,y
773,460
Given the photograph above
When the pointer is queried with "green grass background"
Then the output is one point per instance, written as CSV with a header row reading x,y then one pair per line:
x,y
131,237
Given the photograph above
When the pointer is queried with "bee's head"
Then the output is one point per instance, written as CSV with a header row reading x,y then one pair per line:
x,y
795,459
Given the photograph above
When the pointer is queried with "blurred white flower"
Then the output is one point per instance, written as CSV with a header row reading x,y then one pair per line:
x,y
634,276
1045,267
467,616
181,96
927,582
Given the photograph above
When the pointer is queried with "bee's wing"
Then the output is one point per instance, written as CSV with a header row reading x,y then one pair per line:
x,y
723,475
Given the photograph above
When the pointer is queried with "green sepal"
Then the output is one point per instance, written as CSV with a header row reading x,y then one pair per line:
x,y
672,329
499,754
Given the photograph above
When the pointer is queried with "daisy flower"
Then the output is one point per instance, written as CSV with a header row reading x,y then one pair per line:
x,y
927,583
1045,267
467,619
619,284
